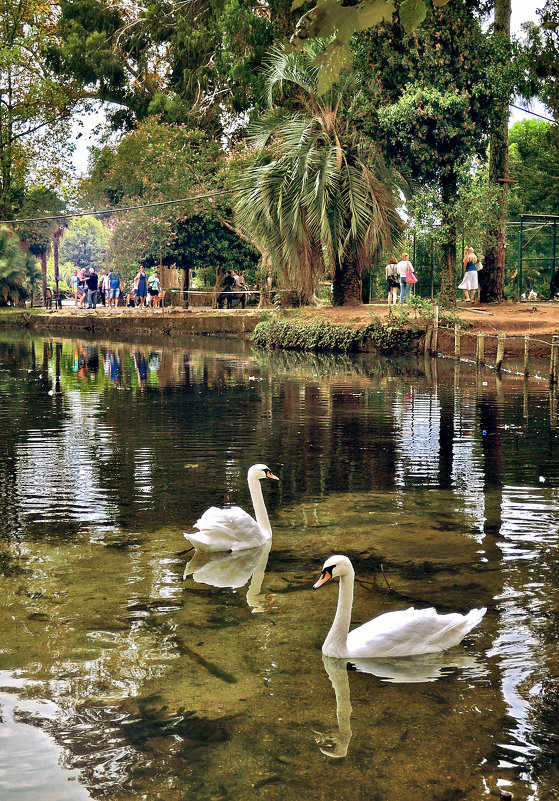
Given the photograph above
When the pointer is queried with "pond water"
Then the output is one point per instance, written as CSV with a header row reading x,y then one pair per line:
x,y
122,679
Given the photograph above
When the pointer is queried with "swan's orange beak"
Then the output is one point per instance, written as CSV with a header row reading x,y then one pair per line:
x,y
269,474
325,576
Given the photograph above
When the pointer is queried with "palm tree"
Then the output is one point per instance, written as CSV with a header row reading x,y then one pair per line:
x,y
316,199
14,268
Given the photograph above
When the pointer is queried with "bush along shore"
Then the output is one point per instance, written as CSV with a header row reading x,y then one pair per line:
x,y
321,335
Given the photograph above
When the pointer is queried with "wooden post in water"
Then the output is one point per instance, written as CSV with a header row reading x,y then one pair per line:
x,y
435,335
480,349
428,337
553,362
457,341
526,354
553,405
500,351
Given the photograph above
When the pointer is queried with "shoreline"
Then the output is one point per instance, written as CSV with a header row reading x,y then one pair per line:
x,y
538,320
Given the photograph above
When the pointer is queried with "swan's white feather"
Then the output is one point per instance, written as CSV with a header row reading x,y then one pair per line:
x,y
229,529
411,631
408,632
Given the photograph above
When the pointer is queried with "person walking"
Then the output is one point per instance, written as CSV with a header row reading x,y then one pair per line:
x,y
92,282
101,292
114,288
142,286
392,281
402,269
469,282
82,288
153,286
74,286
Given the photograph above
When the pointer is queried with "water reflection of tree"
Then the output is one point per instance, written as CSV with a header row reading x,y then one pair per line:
x,y
27,406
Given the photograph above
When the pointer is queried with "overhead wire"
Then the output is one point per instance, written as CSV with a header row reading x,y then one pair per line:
x,y
117,210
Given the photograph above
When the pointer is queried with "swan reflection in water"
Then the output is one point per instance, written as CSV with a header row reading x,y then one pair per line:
x,y
233,570
402,670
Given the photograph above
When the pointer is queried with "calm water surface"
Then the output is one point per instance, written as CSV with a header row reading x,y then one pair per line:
x,y
124,676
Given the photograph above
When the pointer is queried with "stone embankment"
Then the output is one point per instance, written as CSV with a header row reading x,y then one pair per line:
x,y
130,322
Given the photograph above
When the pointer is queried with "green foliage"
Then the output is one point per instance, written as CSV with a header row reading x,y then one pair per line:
x,y
431,101
39,202
320,335
157,162
315,198
35,104
193,63
84,243
339,21
542,57
16,268
534,164
202,244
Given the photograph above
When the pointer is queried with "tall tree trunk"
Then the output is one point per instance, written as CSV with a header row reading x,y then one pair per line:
x,y
347,281
448,271
492,277
44,275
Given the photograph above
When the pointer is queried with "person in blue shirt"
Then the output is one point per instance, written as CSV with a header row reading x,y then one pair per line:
x,y
114,288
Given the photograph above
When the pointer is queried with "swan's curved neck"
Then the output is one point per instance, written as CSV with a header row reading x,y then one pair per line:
x,y
335,643
260,512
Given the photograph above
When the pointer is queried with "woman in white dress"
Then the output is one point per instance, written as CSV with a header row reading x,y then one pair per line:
x,y
469,282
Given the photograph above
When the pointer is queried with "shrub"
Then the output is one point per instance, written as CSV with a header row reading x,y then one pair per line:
x,y
320,335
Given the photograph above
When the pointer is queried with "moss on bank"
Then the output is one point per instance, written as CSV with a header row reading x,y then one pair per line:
x,y
321,335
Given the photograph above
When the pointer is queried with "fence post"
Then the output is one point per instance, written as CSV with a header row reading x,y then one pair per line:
x,y
457,341
526,354
500,350
480,349
435,335
428,338
553,362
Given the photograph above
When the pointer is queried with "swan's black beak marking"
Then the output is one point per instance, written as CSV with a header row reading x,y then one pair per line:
x,y
325,576
269,474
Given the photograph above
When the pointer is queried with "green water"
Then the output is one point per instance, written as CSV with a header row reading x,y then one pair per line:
x,y
120,680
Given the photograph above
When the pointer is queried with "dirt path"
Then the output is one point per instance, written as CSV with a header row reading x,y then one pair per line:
x,y
540,320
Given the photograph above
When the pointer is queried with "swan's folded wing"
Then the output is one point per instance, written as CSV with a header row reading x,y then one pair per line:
x,y
226,530
411,631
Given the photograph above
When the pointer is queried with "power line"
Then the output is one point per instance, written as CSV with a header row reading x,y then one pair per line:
x,y
116,210
527,111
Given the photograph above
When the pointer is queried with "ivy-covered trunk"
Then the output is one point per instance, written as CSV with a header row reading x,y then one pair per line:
x,y
347,281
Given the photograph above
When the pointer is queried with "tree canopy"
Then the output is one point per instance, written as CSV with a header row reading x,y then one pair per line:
x,y
195,63
534,164
316,198
156,163
35,104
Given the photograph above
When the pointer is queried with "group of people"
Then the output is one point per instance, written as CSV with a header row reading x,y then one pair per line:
x,y
90,287
400,275
144,286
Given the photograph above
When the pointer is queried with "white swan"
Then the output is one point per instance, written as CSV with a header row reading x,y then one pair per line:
x,y
405,633
233,529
